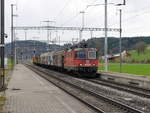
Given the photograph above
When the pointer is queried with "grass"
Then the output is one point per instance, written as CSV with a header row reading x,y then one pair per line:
x,y
138,69
140,57
8,72
136,65
2,103
9,64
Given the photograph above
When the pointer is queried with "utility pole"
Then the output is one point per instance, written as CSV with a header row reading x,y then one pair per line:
x,y
15,52
80,35
106,41
12,37
12,34
120,41
2,31
106,30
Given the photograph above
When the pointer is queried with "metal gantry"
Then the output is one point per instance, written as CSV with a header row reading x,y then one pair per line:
x,y
64,28
90,29
48,33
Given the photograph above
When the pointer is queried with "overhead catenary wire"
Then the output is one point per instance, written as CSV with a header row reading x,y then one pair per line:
x,y
140,13
72,18
90,3
76,15
61,11
134,16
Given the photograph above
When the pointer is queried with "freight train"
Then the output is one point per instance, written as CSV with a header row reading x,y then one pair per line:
x,y
81,61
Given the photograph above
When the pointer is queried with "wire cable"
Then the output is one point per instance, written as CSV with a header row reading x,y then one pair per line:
x,y
77,14
61,11
72,18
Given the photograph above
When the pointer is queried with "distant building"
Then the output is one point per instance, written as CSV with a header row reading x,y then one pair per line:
x,y
117,56
148,48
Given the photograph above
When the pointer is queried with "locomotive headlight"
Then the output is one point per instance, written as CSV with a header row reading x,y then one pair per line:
x,y
93,64
80,64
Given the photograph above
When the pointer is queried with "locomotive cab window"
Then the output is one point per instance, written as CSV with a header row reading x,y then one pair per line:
x,y
92,54
80,55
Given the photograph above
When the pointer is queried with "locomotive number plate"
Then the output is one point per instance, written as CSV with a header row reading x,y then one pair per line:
x,y
87,61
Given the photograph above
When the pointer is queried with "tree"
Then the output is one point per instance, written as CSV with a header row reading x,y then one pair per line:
x,y
140,47
98,46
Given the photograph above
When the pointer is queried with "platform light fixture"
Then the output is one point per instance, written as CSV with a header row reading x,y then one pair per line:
x,y
106,30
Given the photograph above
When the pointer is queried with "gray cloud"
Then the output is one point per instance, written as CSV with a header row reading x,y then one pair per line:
x,y
136,16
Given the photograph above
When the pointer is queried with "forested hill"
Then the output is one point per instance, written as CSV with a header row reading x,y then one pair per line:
x,y
27,47
113,43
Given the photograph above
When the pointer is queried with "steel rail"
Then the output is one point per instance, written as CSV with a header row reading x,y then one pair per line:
x,y
139,92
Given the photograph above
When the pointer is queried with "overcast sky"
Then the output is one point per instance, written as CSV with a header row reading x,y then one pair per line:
x,y
136,17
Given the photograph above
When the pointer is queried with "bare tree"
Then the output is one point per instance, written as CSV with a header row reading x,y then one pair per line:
x,y
140,47
98,46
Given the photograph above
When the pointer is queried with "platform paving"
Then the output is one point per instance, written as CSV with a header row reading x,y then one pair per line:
x,y
129,79
29,93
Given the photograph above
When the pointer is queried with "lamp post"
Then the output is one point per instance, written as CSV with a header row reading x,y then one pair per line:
x,y
120,40
106,41
12,34
120,37
16,38
106,29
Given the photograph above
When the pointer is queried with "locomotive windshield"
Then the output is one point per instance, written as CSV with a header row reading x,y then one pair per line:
x,y
85,55
81,55
92,55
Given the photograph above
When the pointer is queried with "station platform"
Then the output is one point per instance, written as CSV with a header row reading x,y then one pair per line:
x,y
129,79
29,93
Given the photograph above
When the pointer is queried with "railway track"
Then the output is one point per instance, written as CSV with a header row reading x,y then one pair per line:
x,y
98,102
128,88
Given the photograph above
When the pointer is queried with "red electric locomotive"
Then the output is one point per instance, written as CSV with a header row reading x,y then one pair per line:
x,y
81,60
